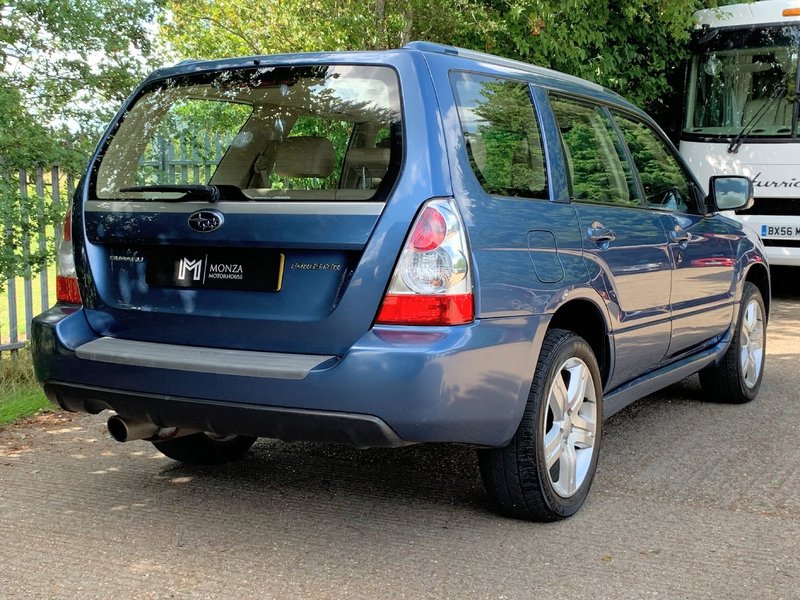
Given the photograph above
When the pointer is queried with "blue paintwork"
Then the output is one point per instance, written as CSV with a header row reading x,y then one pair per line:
x,y
667,310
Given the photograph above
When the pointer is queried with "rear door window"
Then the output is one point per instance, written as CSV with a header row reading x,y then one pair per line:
x,y
323,132
598,169
501,134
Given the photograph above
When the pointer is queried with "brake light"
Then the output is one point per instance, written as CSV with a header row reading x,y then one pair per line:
x,y
67,291
431,283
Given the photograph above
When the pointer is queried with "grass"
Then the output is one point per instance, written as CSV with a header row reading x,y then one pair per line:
x,y
20,394
22,321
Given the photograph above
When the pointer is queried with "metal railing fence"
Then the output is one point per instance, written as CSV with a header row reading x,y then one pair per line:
x,y
179,159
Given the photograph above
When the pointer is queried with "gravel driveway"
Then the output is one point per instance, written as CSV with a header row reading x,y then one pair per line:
x,y
691,500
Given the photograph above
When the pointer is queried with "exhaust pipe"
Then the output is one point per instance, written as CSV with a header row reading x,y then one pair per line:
x,y
124,430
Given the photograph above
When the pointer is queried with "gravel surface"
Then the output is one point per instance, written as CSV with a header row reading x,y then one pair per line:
x,y
691,500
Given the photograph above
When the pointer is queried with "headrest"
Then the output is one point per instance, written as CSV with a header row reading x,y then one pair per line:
x,y
304,157
371,158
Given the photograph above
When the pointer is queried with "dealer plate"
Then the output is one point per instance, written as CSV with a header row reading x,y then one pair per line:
x,y
216,268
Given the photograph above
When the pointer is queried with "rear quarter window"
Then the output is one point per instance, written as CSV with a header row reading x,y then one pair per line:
x,y
501,134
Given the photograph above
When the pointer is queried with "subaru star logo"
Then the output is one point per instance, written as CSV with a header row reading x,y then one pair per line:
x,y
206,221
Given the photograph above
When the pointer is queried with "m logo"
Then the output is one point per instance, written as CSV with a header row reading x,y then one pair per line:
x,y
190,268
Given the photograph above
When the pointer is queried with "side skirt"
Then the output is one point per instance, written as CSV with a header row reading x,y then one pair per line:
x,y
617,399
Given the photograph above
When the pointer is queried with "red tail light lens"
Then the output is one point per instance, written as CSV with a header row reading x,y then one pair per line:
x,y
431,283
67,291
427,310
429,232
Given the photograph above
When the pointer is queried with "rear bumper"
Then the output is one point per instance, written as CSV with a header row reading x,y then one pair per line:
x,y
396,385
225,418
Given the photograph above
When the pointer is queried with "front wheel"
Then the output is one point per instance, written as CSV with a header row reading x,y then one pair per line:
x,y
545,472
737,378
206,448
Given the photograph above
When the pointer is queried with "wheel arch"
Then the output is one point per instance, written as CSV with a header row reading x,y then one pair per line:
x,y
758,275
584,318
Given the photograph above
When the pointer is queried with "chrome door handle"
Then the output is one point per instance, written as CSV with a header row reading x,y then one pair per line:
x,y
601,234
679,236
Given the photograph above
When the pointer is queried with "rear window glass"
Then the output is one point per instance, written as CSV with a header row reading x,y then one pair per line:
x,y
306,133
501,134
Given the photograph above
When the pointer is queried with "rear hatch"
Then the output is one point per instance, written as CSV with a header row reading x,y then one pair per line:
x,y
232,208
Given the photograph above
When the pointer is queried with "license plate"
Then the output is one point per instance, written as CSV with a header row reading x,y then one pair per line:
x,y
216,268
780,231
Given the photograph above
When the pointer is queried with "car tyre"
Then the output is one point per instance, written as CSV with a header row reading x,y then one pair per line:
x,y
545,472
206,448
737,378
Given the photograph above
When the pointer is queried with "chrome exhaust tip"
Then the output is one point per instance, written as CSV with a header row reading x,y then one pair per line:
x,y
124,430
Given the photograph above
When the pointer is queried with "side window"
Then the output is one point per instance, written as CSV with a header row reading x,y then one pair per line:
x,y
597,166
665,183
501,135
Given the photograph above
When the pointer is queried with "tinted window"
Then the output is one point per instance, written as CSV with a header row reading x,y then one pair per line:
x,y
665,184
597,166
501,135
189,142
322,132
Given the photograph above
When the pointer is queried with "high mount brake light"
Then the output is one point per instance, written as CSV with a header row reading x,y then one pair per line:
x,y
432,283
67,291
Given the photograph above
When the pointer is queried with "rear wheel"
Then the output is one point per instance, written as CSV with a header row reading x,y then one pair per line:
x,y
545,472
737,378
206,448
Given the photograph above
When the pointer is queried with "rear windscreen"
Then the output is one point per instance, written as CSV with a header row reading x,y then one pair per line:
x,y
307,133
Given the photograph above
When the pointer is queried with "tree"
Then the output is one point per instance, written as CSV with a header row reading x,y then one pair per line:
x,y
65,65
631,46
214,28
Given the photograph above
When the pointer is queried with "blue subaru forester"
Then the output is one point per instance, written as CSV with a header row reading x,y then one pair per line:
x,y
386,248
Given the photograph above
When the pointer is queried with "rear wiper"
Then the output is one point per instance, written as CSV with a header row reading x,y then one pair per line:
x,y
208,192
736,142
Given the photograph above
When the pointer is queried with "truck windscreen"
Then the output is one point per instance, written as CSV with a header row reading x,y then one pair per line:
x,y
733,78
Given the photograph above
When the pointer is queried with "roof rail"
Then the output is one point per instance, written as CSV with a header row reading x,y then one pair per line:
x,y
186,61
499,61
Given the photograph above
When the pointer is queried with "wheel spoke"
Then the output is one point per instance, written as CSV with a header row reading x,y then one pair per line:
x,y
581,438
568,470
750,316
583,421
558,398
552,447
578,383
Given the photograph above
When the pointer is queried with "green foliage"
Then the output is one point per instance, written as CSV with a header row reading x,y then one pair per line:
x,y
20,395
65,66
214,28
23,218
71,62
631,46
22,402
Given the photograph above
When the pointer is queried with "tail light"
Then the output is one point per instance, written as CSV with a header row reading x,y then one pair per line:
x,y
432,283
67,291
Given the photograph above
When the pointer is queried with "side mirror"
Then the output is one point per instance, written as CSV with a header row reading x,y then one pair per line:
x,y
730,192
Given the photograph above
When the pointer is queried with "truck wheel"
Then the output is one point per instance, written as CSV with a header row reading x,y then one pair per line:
x,y
206,448
545,472
737,378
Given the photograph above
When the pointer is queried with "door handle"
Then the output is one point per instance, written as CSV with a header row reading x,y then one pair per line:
x,y
600,234
679,236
